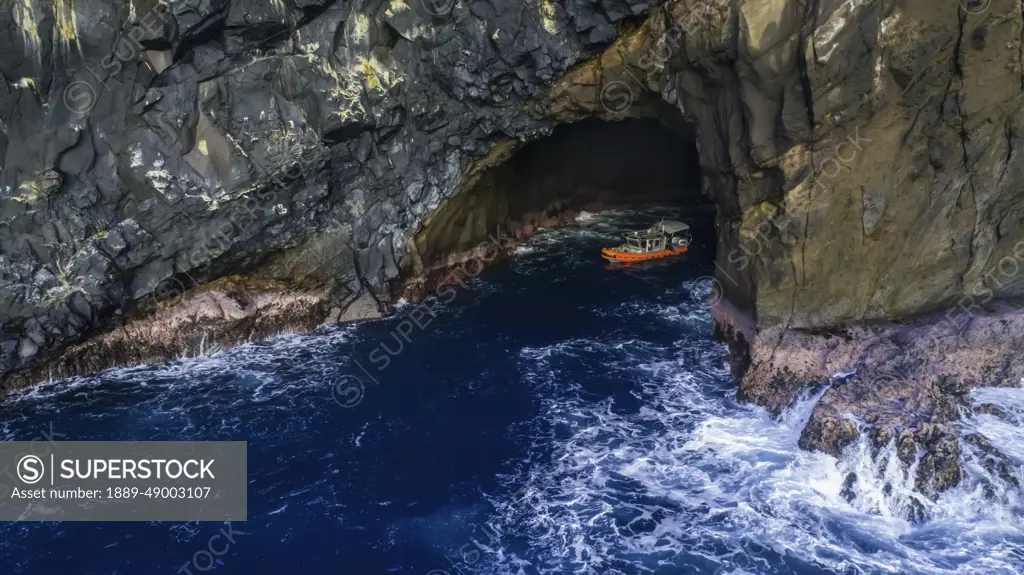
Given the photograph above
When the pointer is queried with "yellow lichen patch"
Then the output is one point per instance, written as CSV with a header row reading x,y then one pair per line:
x,y
396,7
377,75
347,91
25,16
202,148
282,134
794,160
24,83
360,26
309,51
65,20
29,191
372,81
548,9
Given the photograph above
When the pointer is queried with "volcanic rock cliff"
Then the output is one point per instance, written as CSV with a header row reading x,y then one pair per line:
x,y
192,172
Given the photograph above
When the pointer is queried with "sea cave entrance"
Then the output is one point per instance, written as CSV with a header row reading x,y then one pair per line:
x,y
590,165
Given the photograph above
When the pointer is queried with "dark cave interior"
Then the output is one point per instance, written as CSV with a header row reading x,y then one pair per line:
x,y
590,165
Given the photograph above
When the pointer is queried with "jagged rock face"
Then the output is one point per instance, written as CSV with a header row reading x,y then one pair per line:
x,y
150,145
862,154
867,149
864,158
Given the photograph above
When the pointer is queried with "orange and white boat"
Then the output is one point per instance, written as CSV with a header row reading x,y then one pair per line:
x,y
666,239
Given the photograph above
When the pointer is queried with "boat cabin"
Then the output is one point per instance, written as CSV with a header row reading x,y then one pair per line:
x,y
664,235
667,238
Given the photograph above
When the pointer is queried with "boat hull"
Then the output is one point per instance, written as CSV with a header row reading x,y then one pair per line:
x,y
617,256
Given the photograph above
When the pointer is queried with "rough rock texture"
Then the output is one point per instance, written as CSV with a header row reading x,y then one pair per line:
x,y
224,312
907,382
150,145
862,154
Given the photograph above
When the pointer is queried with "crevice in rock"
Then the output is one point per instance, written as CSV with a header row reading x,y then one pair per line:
x,y
957,72
807,39
364,284
1008,134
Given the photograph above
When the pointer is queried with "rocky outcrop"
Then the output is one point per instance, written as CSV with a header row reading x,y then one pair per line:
x,y
906,382
150,145
899,199
225,312
862,156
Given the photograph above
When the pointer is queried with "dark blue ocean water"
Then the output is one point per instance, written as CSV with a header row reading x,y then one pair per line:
x,y
554,417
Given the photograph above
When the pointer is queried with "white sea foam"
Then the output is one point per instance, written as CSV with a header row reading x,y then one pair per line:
x,y
691,478
1006,433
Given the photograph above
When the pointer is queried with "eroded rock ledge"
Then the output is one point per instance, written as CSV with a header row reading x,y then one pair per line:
x,y
223,313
